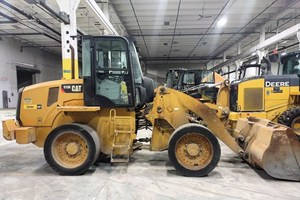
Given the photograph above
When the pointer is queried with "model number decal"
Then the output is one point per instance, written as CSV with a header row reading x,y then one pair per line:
x,y
71,88
277,84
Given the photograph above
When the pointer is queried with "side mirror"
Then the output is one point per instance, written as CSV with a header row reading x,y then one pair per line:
x,y
263,67
149,87
273,58
141,96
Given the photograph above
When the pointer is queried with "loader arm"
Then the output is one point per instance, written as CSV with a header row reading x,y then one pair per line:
x,y
163,109
209,116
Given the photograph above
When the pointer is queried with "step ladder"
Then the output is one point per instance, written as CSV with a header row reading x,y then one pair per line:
x,y
123,128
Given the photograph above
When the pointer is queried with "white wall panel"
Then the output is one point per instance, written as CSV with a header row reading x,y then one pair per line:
x,y
10,57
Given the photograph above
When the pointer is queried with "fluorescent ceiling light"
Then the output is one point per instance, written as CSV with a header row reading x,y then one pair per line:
x,y
222,22
253,63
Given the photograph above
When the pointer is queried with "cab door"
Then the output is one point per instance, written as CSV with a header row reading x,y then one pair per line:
x,y
108,77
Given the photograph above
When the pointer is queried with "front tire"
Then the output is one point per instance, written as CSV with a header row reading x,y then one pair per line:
x,y
291,118
194,150
71,149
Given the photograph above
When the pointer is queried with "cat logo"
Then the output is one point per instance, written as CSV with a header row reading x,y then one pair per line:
x,y
76,88
71,88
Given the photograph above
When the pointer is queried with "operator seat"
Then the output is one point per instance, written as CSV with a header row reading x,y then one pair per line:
x,y
106,87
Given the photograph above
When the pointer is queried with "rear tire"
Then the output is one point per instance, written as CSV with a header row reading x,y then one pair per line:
x,y
194,150
71,149
291,118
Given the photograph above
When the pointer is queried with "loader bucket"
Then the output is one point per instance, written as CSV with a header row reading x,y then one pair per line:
x,y
272,147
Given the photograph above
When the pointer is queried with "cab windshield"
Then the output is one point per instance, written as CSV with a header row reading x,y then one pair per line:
x,y
291,64
207,77
136,66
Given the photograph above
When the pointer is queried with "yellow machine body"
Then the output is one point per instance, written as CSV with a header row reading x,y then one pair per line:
x,y
258,97
254,98
46,106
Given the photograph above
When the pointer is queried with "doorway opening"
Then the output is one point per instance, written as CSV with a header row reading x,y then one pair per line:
x,y
26,76
4,99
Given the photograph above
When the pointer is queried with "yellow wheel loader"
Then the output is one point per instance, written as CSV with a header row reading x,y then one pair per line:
x,y
75,120
267,96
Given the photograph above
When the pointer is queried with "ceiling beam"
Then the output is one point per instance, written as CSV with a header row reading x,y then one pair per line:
x,y
9,19
284,34
119,19
28,16
215,19
195,34
8,34
219,50
201,58
92,6
280,15
176,21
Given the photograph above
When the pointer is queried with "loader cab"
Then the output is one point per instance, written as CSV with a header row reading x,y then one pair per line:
x,y
192,78
245,70
190,81
173,76
289,63
112,73
182,78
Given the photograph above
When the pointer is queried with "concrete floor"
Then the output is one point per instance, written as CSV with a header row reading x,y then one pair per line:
x,y
24,174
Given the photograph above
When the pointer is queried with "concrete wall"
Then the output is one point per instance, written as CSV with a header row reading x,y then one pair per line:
x,y
10,56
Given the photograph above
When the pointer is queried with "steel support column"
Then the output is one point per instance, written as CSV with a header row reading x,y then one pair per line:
x,y
224,56
238,49
262,37
237,65
69,39
105,9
